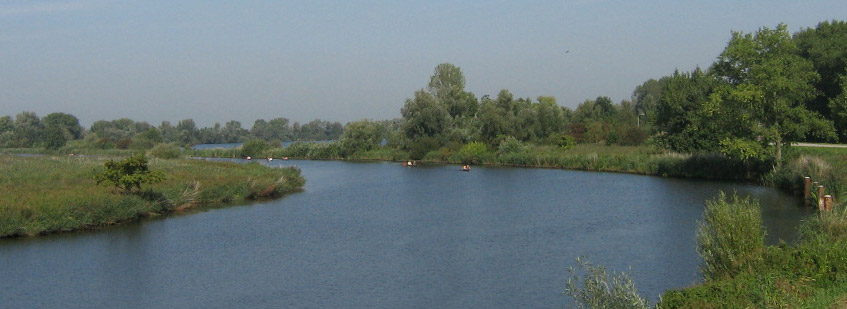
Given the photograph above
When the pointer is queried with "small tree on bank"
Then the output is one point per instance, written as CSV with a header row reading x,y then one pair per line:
x,y
128,174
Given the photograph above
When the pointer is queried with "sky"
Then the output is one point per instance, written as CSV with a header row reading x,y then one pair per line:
x,y
216,61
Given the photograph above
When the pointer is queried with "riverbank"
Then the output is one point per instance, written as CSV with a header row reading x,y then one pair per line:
x,y
809,274
50,194
643,160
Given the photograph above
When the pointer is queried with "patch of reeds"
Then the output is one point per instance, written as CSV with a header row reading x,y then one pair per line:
x,y
591,286
730,237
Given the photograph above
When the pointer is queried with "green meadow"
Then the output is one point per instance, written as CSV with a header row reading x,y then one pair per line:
x,y
48,194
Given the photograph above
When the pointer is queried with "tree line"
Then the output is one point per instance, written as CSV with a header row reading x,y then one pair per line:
x,y
27,130
765,90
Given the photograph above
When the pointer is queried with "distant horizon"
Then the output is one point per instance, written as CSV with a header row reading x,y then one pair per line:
x,y
214,62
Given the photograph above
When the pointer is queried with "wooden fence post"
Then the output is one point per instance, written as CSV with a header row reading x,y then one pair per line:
x,y
827,202
807,190
820,198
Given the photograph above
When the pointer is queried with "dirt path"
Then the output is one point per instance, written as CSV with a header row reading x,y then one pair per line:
x,y
819,145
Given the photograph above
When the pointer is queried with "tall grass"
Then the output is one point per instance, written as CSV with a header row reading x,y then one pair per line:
x,y
742,273
593,287
47,194
730,237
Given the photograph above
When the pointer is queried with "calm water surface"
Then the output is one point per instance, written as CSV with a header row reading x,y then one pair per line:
x,y
379,235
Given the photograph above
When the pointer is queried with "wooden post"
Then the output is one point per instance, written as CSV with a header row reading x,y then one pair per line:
x,y
807,190
820,198
827,202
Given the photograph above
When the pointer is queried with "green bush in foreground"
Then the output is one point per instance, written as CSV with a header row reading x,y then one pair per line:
x,y
597,290
730,237
741,272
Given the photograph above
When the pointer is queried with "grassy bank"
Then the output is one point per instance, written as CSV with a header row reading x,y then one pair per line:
x,y
809,274
48,194
644,160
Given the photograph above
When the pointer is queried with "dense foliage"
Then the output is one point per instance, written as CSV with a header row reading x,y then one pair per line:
x,y
128,174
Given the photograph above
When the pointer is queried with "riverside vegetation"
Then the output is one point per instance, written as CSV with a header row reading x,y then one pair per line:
x,y
49,194
734,120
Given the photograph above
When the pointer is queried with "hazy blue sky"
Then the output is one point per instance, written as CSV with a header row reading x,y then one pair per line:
x,y
215,61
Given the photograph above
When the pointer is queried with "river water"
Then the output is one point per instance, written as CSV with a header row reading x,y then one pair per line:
x,y
380,235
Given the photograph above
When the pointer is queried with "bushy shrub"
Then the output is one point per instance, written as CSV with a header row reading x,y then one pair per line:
x,y
442,154
421,146
123,143
473,153
363,135
711,166
566,142
730,238
596,289
165,151
254,147
510,145
128,174
631,136
296,149
324,151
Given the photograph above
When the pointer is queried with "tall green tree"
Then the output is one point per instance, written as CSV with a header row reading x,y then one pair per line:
x,y
824,47
279,130
496,117
60,128
447,84
187,132
683,123
838,108
550,117
7,131
770,82
362,135
29,130
646,97
169,132
424,116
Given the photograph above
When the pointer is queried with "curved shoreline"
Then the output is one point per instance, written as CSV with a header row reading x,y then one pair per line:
x,y
57,194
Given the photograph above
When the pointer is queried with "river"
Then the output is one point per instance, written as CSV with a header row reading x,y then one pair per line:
x,y
380,235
